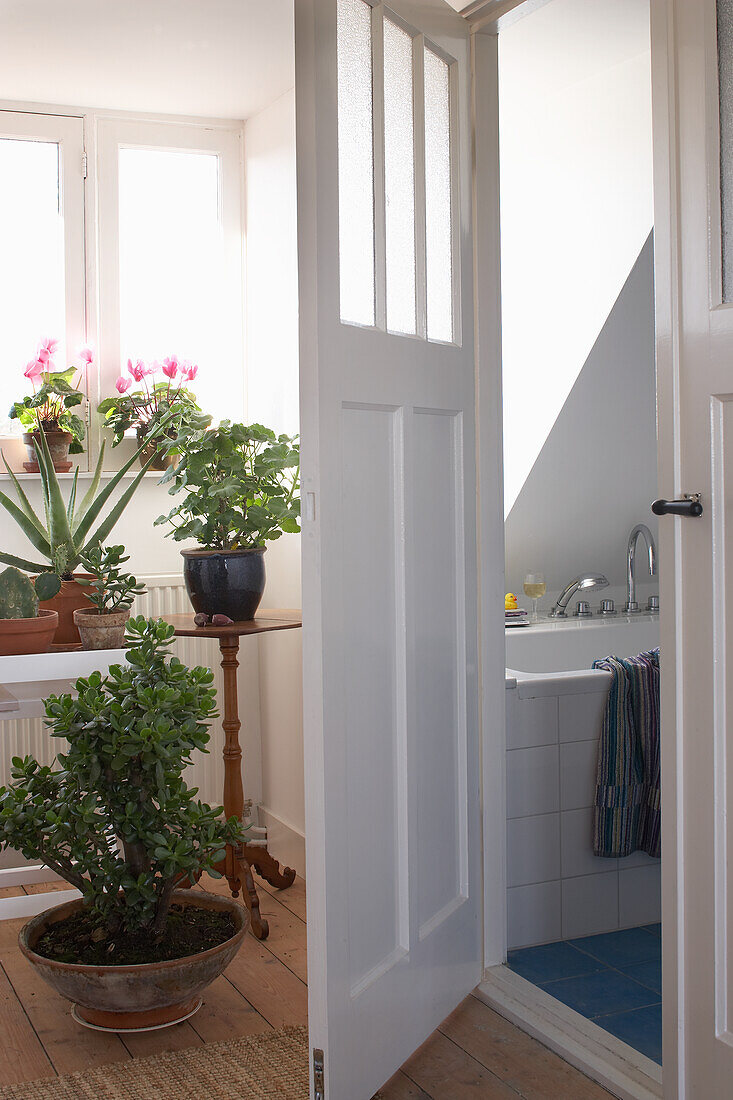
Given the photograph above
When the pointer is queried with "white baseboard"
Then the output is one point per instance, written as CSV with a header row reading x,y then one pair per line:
x,y
26,875
284,841
30,904
619,1068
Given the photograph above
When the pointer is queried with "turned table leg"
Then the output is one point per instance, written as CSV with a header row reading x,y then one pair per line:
x,y
240,861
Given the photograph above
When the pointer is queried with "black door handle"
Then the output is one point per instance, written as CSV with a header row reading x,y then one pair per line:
x,y
691,506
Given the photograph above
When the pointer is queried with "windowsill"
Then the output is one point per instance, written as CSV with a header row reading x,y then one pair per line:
x,y
84,475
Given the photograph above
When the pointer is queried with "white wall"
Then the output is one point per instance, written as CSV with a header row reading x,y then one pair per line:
x,y
577,290
576,190
272,399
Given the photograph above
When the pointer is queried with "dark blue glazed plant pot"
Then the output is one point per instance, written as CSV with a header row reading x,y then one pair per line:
x,y
225,582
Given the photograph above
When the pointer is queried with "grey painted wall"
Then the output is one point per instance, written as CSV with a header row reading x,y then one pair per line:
x,y
596,474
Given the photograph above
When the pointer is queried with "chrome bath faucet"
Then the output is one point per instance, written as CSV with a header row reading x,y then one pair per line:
x,y
632,607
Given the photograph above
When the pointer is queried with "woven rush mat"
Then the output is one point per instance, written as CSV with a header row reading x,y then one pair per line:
x,y
258,1067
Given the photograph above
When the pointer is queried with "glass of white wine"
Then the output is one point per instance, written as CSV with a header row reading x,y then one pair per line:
x,y
535,588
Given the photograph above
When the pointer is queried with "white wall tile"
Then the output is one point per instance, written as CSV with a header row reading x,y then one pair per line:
x,y
581,716
533,781
533,914
640,897
589,905
533,849
576,827
578,772
533,722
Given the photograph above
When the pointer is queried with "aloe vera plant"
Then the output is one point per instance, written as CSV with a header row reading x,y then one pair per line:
x,y
68,531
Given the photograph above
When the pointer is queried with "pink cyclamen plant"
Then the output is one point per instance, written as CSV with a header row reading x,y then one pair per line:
x,y
162,387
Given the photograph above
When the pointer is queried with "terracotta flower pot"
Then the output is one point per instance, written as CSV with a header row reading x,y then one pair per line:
x,y
58,445
28,635
71,597
99,631
161,461
145,995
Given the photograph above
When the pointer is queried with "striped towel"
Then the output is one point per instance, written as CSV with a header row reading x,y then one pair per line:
x,y
627,804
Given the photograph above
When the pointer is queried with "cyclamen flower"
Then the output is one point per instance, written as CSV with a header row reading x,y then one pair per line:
x,y
189,370
46,348
138,371
34,369
170,367
123,384
87,355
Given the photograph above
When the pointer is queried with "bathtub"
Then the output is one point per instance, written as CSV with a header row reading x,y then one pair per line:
x,y
556,887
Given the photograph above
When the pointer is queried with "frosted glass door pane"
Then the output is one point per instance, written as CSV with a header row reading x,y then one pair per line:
x,y
356,162
174,293
438,213
399,179
725,65
32,297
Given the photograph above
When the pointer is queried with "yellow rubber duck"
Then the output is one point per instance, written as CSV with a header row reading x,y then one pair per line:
x,y
510,602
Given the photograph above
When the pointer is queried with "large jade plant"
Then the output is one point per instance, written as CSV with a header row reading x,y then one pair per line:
x,y
115,818
67,530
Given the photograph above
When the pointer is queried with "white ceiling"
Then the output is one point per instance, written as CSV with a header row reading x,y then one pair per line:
x,y
217,58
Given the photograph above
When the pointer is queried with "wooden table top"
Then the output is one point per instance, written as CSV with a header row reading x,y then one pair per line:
x,y
266,621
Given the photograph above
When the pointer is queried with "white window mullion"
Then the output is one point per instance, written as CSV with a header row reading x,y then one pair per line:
x,y
380,232
418,63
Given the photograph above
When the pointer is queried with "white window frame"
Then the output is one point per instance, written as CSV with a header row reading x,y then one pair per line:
x,y
112,133
67,131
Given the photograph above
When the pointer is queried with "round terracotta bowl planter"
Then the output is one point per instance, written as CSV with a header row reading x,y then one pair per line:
x,y
148,995
71,598
101,631
58,445
28,635
225,582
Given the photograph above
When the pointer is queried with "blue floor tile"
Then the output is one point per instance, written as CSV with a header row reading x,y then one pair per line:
x,y
601,993
655,929
649,973
620,949
551,961
641,1029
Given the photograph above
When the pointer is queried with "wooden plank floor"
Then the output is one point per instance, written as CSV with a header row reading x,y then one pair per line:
x,y
474,1054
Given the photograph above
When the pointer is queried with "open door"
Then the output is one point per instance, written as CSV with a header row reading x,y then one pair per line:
x,y
693,136
389,531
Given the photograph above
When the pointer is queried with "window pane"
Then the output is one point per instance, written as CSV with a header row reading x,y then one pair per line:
x,y
175,297
399,178
438,215
725,70
32,301
356,164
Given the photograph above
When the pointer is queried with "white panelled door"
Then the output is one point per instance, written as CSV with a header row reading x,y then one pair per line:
x,y
389,542
693,134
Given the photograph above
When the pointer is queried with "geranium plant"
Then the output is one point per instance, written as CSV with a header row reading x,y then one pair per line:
x,y
161,390
240,484
130,735
56,394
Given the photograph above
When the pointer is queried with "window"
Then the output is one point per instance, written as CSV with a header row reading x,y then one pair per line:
x,y
170,199
143,263
42,247
396,176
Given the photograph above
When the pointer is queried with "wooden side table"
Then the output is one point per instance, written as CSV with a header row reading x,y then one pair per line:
x,y
239,862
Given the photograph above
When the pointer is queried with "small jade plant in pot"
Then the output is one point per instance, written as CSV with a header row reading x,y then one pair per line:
x,y
53,406
240,486
112,592
67,530
154,401
24,627
115,818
